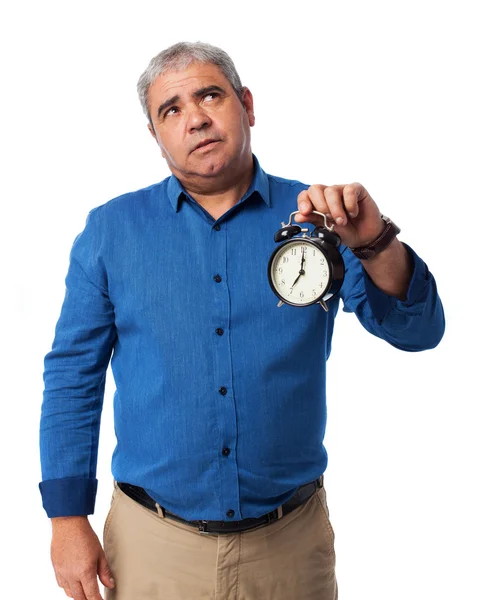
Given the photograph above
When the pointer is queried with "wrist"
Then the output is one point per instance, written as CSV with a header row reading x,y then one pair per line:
x,y
368,243
380,243
385,253
71,521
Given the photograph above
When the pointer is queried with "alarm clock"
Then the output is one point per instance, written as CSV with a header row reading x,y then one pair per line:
x,y
306,269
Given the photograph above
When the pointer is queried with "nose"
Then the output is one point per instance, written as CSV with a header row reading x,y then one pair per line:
x,y
198,119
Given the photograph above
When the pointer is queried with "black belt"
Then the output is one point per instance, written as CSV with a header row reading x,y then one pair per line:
x,y
302,494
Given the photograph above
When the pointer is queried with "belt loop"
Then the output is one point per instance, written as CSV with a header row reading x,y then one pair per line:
x,y
159,511
115,484
320,481
279,512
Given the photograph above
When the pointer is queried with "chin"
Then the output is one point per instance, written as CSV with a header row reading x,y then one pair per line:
x,y
210,166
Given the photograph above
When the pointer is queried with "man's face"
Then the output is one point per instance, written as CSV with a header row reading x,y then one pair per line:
x,y
196,105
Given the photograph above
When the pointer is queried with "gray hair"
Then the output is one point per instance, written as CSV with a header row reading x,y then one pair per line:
x,y
180,56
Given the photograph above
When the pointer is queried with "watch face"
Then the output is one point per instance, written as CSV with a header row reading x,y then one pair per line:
x,y
299,272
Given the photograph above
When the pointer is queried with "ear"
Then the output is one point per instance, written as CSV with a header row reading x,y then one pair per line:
x,y
248,104
151,130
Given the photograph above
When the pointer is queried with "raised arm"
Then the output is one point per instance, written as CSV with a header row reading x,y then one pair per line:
x,y
393,294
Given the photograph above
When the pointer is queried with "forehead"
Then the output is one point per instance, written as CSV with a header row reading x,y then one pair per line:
x,y
181,83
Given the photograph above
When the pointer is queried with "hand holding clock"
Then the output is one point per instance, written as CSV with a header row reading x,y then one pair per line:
x,y
357,219
359,223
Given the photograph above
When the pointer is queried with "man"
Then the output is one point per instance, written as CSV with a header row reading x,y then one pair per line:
x,y
220,404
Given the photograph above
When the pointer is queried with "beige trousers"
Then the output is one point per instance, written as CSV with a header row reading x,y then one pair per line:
x,y
161,559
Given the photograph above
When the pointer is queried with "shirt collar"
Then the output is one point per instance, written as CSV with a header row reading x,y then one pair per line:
x,y
259,184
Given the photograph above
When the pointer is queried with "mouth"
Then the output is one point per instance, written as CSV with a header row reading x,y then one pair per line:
x,y
205,144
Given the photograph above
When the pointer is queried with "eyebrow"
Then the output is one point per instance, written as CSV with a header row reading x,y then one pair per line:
x,y
197,94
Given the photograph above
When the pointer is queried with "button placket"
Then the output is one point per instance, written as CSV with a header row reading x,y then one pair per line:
x,y
226,417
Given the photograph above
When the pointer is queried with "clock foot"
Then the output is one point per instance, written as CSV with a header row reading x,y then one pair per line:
x,y
280,303
323,305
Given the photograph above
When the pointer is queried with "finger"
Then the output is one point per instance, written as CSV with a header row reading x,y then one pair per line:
x,y
104,572
309,200
63,584
77,591
91,588
351,197
304,204
334,198
317,198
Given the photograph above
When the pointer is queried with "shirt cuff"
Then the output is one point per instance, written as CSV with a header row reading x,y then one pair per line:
x,y
69,497
381,303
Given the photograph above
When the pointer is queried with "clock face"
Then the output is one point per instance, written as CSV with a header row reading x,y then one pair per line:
x,y
300,272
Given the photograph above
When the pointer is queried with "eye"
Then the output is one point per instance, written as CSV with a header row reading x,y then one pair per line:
x,y
169,111
211,95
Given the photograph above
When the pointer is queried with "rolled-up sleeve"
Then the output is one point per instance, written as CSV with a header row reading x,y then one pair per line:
x,y
74,381
413,324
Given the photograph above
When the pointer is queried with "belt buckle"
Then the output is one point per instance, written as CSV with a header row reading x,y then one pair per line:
x,y
203,528
274,515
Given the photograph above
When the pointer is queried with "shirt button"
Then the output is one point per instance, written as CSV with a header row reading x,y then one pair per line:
x,y
217,227
226,451
230,513
223,391
219,331
217,278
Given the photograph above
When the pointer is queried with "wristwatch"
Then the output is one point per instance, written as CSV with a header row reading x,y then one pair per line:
x,y
382,241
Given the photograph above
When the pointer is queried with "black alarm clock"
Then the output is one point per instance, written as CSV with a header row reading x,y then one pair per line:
x,y
306,269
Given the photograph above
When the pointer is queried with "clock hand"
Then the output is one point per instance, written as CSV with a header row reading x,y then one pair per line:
x,y
301,272
294,283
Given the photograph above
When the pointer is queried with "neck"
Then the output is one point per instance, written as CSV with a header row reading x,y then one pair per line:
x,y
220,197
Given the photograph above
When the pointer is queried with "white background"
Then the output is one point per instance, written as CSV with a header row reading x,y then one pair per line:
x,y
394,95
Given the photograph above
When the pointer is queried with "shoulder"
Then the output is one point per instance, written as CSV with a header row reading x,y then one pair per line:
x,y
129,202
281,182
284,192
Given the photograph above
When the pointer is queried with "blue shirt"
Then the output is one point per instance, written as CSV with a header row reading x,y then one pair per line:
x,y
220,401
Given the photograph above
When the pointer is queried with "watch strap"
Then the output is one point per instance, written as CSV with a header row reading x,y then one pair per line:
x,y
378,245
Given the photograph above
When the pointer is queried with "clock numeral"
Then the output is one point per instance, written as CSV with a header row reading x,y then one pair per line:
x,y
321,285
280,269
313,252
302,295
322,261
293,251
325,273
314,293
285,259
283,282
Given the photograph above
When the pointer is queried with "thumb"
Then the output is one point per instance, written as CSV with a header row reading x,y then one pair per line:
x,y
104,572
